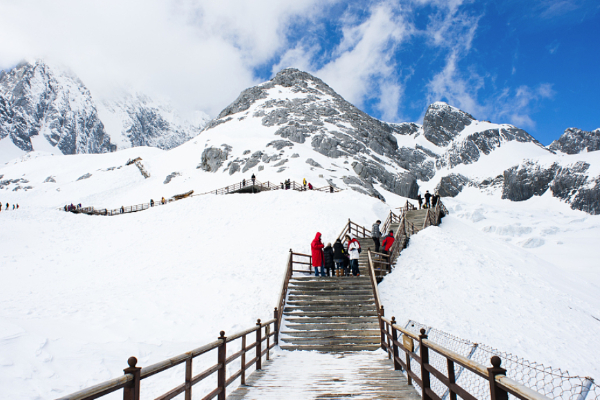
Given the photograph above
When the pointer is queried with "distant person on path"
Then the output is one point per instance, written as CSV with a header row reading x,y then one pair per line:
x,y
122,209
17,206
310,186
354,253
376,235
434,200
243,182
330,189
6,206
304,183
13,206
338,257
316,249
420,200
253,179
163,200
328,263
428,199
151,202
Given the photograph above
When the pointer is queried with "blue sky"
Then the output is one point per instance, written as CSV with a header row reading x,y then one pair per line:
x,y
534,64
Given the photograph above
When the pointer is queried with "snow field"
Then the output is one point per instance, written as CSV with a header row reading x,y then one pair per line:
x,y
81,294
476,285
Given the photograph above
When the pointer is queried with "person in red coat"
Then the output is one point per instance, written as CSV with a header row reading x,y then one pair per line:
x,y
388,241
316,248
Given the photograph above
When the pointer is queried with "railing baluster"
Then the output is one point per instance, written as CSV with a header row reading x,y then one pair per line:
x,y
258,345
276,325
222,373
451,379
425,378
496,392
132,390
243,382
188,379
397,365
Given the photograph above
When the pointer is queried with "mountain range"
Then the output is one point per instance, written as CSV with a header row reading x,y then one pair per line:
x,y
297,123
48,108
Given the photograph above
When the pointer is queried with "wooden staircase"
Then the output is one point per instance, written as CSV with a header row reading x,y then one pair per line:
x,y
330,314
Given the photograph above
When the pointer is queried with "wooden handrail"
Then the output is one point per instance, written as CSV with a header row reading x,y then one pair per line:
x,y
130,382
373,280
500,385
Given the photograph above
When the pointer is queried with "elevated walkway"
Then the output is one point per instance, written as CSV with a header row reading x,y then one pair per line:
x,y
312,375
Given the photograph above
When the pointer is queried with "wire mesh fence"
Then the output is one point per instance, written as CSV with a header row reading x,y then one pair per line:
x,y
553,383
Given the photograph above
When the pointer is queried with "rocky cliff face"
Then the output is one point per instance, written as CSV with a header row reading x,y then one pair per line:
x,y
574,141
37,101
40,102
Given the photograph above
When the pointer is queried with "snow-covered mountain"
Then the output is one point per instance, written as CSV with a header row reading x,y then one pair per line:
x,y
48,108
185,271
449,151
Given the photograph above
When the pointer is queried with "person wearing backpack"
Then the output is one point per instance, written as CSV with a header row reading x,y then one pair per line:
x,y
328,262
338,257
354,253
376,235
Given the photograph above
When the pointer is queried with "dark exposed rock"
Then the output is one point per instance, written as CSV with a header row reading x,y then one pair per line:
x,y
588,198
574,141
442,123
280,144
212,158
312,162
451,185
529,179
171,176
50,179
33,96
401,184
86,176
253,161
569,180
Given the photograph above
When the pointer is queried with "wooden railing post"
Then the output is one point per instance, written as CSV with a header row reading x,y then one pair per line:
x,y
397,365
222,374
451,379
188,379
496,392
425,378
243,379
258,345
132,390
276,325
382,327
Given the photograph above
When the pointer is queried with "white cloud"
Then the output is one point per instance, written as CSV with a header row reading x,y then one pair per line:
x,y
199,53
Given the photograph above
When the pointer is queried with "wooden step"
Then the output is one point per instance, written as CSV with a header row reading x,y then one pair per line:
x,y
329,341
349,319
331,348
333,333
331,313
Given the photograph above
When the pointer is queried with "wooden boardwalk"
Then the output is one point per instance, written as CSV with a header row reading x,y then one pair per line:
x,y
312,375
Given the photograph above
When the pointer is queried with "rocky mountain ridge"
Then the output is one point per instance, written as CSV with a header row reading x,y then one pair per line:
x,y
44,107
302,110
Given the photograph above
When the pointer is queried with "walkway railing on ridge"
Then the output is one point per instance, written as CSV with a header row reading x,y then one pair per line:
x,y
235,188
131,381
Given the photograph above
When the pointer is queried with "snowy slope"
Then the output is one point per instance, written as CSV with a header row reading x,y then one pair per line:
x,y
80,294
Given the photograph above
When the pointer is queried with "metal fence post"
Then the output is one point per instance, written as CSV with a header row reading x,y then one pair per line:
x,y
132,390
425,378
397,365
222,374
258,344
495,391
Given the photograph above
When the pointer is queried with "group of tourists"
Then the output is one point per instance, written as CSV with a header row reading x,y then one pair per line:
x,y
14,206
337,260
162,201
430,200
253,178
342,260
72,207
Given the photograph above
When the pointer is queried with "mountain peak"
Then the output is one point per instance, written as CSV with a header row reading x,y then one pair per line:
x,y
442,123
575,141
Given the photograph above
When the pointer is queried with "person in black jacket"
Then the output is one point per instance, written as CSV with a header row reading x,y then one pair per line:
x,y
328,260
420,200
428,199
338,256
434,200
